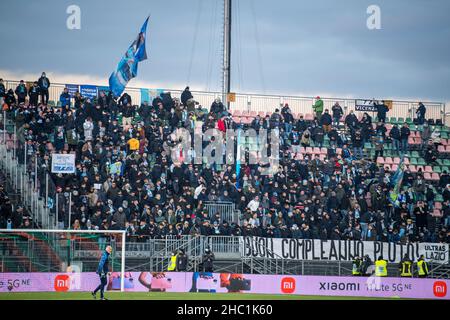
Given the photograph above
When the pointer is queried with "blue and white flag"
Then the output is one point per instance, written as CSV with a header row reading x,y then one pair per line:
x,y
238,158
127,68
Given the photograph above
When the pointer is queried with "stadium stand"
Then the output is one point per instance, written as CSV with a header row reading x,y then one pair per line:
x,y
334,181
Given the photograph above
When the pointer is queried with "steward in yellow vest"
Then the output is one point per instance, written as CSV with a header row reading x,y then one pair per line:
x,y
406,267
381,267
173,262
422,267
356,267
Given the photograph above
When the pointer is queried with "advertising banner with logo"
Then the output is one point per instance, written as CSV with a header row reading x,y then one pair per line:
x,y
230,282
63,163
340,250
88,91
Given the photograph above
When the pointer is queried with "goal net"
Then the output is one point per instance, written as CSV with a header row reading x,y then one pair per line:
x,y
59,260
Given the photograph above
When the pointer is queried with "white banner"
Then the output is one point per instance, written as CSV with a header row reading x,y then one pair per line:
x,y
63,163
365,105
340,250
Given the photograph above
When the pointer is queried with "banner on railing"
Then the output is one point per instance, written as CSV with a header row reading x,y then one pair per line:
x,y
340,250
228,283
365,105
88,91
72,88
63,163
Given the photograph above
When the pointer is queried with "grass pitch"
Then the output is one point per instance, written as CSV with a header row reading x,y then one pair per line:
x,y
166,296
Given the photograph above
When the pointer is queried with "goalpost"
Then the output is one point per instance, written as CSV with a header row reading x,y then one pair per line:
x,y
72,252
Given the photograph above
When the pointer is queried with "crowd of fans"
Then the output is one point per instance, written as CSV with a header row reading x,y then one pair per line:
x,y
126,179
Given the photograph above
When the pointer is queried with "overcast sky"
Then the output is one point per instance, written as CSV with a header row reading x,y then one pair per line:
x,y
279,47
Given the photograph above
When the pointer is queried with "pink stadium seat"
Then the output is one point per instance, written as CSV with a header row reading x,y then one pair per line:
x,y
262,114
324,151
413,169
253,114
441,149
302,150
427,176
396,160
236,113
380,160
388,160
428,169
418,140
309,117
316,150
322,157
394,167
447,149
245,114
248,120
438,205
411,141
435,176
309,150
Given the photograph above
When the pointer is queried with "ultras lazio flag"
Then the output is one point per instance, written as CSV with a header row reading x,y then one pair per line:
x,y
127,67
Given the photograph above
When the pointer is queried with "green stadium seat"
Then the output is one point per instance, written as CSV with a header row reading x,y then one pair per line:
x,y
413,161
393,120
415,154
400,121
437,169
51,103
409,121
421,162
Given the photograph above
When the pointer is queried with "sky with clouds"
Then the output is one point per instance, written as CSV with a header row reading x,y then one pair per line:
x,y
278,47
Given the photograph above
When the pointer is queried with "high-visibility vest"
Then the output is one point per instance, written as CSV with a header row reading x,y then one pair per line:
x,y
406,269
381,268
134,144
356,270
422,266
173,263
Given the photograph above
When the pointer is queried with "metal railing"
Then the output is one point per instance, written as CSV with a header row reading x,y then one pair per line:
x,y
268,103
227,210
22,169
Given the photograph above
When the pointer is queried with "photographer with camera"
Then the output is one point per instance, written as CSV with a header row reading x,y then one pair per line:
x,y
208,260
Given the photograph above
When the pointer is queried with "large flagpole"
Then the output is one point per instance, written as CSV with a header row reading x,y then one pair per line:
x,y
226,76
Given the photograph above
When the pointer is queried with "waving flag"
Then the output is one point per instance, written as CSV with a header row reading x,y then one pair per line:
x,y
238,158
127,68
396,183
